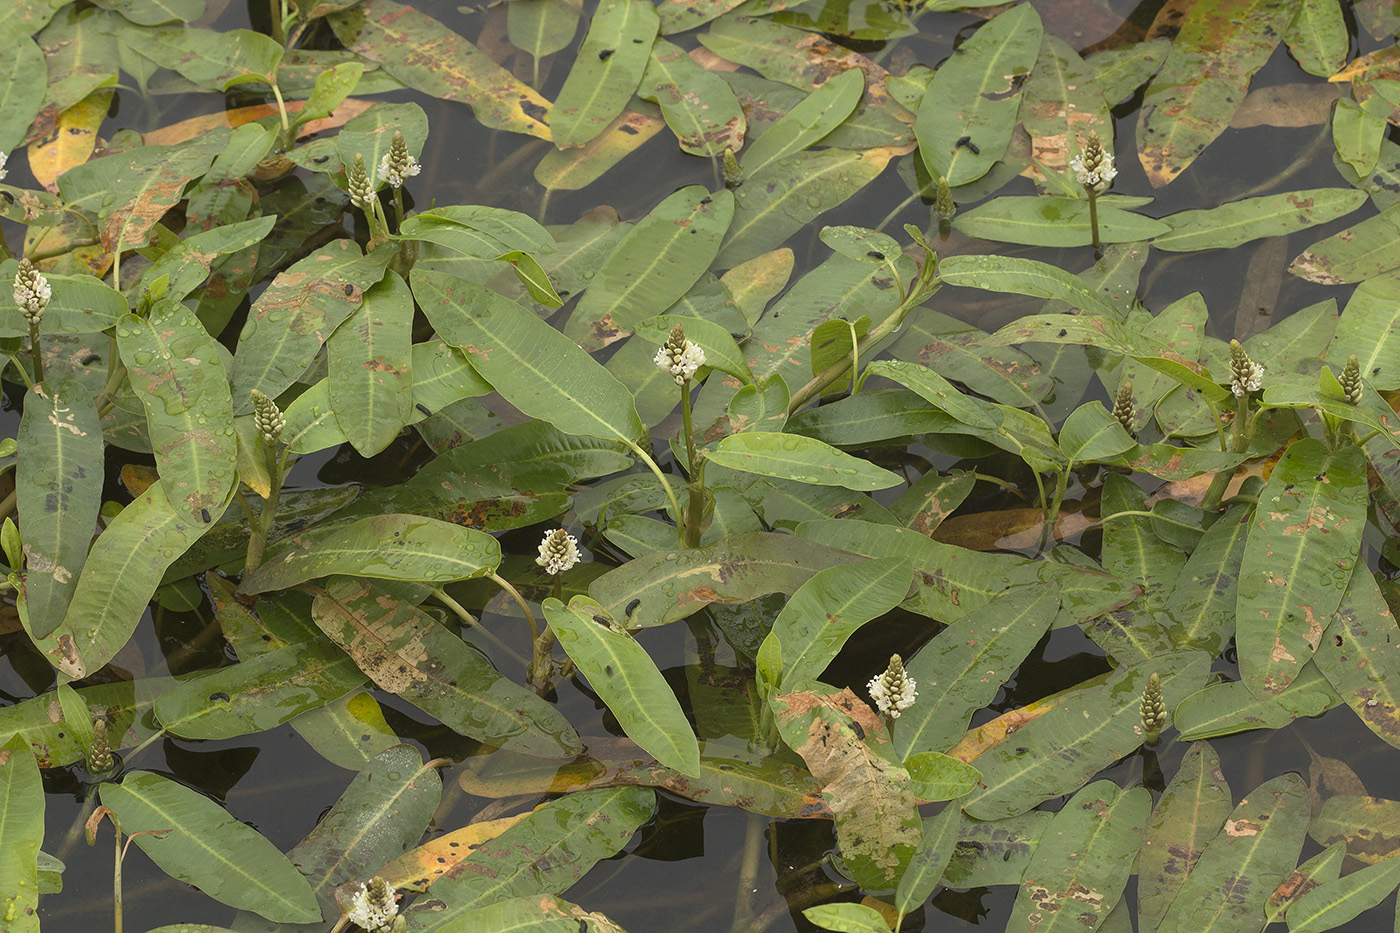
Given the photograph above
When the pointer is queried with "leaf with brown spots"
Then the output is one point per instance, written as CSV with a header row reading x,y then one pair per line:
x,y
1360,656
1320,869
1191,810
1370,826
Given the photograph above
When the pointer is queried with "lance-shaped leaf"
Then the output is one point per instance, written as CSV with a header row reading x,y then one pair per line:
x,y
1028,277
1091,433
1361,657
369,355
148,182
1204,79
540,914
626,678
258,694
1298,560
479,232
803,459
40,720
930,859
1255,850
670,585
542,27
1359,252
939,393
1201,603
1370,826
123,569
408,653
384,811
1227,708
347,732
1336,903
962,669
652,266
1191,810
774,204
1240,222
1370,328
545,853
424,54
80,305
1055,221
984,75
1058,751
1131,548
571,169
207,847
58,491
844,743
534,367
698,104
1318,870
815,116
295,315
177,370
387,547
606,72
824,612
188,262
1063,104
21,832
22,96
847,917
997,852
1083,861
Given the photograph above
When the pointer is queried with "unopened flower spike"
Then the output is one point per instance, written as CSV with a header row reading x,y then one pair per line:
x,y
1123,406
374,907
267,417
4,157
397,165
32,292
1351,380
894,690
1246,376
945,208
99,758
1093,168
733,172
1153,710
361,191
679,357
558,552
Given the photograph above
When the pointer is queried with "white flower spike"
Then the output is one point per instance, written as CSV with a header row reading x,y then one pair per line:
x,y
1093,168
679,357
558,552
893,691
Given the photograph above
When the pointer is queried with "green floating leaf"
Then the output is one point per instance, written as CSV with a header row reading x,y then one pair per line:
x,y
935,776
1055,221
964,667
698,105
258,694
606,72
347,732
794,457
996,852
80,304
291,319
21,97
847,918
1359,657
1083,862
386,547
538,914
1336,903
216,60
652,266
1201,603
938,392
1253,852
207,847
1028,277
1204,79
424,54
1228,708
543,854
189,262
1370,826
410,654
21,832
824,612
123,569
985,76
1359,252
1317,37
541,27
1192,808
177,370
1058,751
958,351
1370,328
534,367
368,358
815,116
1298,560
664,587
930,859
1091,434
57,495
1240,222
626,678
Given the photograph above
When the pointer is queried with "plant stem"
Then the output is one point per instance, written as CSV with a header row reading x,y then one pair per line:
x,y
1241,431
36,349
1047,535
275,11
665,486
1094,220
696,512
744,912
505,584
466,617
257,541
117,854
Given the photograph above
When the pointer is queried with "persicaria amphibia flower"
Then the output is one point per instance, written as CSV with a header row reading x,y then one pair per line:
x,y
893,691
397,165
373,906
1351,380
267,417
1246,376
32,292
558,552
1093,168
357,182
4,157
679,357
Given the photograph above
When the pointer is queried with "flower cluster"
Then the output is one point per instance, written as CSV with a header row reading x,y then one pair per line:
x,y
893,691
373,906
268,419
1246,376
558,552
397,165
32,292
1153,709
1093,168
679,357
1351,380
357,183
4,157
1123,409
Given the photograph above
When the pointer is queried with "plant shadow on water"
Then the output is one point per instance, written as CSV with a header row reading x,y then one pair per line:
x,y
699,465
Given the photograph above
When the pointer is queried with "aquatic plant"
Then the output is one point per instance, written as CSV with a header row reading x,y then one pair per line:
x,y
599,428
